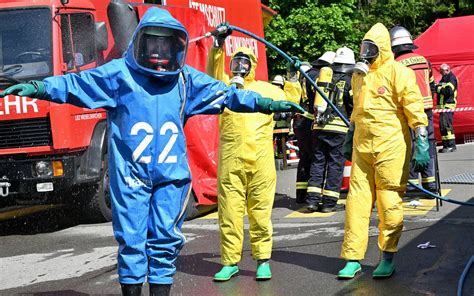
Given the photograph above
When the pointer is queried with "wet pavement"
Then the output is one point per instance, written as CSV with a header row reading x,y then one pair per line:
x,y
50,254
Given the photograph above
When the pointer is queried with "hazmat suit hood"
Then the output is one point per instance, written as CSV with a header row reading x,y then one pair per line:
x,y
381,37
253,60
155,17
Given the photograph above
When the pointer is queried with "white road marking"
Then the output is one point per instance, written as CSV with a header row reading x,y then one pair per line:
x,y
329,231
215,226
60,265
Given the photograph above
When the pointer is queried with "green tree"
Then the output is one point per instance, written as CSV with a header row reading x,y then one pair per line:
x,y
309,29
415,15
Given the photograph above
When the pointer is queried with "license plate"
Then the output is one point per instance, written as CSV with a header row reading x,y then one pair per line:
x,y
44,187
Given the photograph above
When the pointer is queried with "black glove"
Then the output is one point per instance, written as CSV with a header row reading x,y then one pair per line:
x,y
222,31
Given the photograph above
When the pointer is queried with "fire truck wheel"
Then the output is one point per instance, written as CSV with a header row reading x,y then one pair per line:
x,y
97,205
192,210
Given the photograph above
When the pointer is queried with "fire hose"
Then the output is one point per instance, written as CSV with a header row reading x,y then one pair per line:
x,y
346,121
339,113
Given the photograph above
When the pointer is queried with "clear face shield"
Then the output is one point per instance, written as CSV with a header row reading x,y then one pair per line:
x,y
369,51
161,49
240,67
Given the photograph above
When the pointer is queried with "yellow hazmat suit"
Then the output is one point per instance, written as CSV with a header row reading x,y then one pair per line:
x,y
246,174
387,101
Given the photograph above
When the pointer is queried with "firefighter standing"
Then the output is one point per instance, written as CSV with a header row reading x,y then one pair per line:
x,y
402,47
246,173
302,126
386,104
329,133
447,91
282,119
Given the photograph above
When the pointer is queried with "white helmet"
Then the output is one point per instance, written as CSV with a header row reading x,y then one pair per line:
x,y
278,80
328,57
305,66
344,55
400,36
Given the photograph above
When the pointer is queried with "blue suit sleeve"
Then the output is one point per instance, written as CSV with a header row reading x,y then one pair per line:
x,y
207,95
90,89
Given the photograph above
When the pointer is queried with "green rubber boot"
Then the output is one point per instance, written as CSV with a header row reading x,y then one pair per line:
x,y
350,270
263,271
226,273
384,269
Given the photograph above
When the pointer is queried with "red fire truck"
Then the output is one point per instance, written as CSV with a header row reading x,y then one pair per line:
x,y
51,153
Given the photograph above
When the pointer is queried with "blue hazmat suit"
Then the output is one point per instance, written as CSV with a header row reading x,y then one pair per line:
x,y
150,181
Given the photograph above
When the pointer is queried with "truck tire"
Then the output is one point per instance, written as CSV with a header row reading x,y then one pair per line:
x,y
97,205
193,210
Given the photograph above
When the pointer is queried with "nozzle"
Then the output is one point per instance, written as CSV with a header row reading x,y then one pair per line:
x,y
216,32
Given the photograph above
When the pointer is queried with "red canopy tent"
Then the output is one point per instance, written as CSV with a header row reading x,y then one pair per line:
x,y
451,41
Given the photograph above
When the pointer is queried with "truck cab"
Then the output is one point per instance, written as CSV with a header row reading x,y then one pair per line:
x,y
52,153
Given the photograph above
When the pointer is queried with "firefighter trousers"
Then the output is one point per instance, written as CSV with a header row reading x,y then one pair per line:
x,y
302,130
447,130
327,168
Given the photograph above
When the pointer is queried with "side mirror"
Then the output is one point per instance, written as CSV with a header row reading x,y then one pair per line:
x,y
101,36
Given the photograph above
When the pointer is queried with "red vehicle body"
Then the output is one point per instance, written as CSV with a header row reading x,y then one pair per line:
x,y
57,153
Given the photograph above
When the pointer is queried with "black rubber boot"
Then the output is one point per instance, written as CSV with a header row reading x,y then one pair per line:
x,y
313,201
159,290
300,197
330,205
131,289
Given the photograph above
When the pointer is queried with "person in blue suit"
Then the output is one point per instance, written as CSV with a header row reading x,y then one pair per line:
x,y
149,94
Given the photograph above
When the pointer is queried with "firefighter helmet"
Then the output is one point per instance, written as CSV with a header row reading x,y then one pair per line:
x,y
344,55
400,37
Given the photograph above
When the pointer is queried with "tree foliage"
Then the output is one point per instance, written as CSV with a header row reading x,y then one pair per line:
x,y
308,28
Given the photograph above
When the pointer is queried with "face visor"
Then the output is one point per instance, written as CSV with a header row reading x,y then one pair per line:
x,y
240,65
161,49
369,51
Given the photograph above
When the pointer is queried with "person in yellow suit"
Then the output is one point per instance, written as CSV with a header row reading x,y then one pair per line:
x,y
387,101
246,169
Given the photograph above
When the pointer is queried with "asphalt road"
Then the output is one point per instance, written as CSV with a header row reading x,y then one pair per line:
x,y
48,253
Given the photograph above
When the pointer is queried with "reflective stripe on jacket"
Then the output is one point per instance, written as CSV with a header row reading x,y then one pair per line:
x,y
423,73
447,90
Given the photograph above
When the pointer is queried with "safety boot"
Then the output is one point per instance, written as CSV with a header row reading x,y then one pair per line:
x,y
313,207
431,187
330,205
313,201
384,270
159,289
263,271
131,289
328,208
300,197
226,273
443,150
350,270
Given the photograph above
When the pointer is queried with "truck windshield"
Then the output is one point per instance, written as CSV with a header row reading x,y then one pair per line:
x,y
25,45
